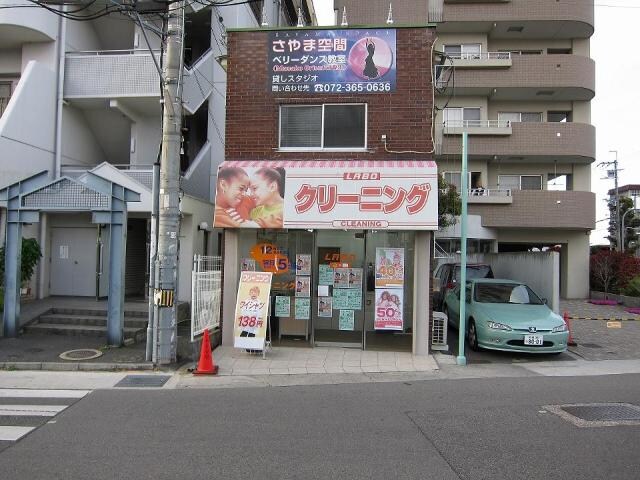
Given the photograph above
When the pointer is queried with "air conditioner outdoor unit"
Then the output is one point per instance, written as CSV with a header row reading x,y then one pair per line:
x,y
439,332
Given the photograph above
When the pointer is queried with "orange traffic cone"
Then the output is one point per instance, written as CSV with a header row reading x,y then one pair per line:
x,y
571,342
206,365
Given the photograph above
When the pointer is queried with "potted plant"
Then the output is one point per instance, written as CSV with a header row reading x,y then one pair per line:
x,y
30,256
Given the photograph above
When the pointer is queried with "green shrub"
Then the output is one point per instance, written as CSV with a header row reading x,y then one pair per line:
x,y
633,287
31,254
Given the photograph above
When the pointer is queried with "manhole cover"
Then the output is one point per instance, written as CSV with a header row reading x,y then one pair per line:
x,y
81,354
143,381
611,412
598,414
591,345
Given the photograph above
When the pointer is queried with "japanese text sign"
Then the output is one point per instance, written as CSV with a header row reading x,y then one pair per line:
x,y
394,195
252,308
333,61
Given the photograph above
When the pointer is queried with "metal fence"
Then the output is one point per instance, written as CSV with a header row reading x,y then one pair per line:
x,y
206,294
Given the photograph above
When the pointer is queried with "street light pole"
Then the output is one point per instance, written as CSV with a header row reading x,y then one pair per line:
x,y
462,328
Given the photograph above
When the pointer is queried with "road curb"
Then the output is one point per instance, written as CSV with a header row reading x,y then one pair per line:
x,y
75,366
607,319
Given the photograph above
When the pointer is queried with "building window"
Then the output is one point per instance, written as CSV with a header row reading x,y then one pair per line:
x,y
535,117
523,52
561,117
520,182
5,95
464,51
462,117
330,126
454,178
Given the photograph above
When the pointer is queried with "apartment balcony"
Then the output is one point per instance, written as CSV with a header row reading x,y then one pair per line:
x,y
539,142
491,196
131,77
92,77
519,19
25,25
529,78
481,60
477,127
541,209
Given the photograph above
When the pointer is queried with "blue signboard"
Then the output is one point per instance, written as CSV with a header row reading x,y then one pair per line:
x,y
333,61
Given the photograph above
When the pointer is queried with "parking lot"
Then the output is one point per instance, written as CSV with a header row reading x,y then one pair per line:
x,y
601,332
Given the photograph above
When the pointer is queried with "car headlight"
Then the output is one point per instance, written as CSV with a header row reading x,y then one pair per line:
x,y
560,328
498,326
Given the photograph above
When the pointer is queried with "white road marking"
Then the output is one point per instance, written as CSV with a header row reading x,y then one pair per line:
x,y
28,393
31,410
12,434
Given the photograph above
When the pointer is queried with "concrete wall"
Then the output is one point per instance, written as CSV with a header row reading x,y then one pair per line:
x,y
28,150
10,61
147,134
539,270
81,36
574,268
79,145
194,211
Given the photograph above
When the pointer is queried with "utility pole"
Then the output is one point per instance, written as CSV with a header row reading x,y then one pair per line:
x,y
619,234
166,268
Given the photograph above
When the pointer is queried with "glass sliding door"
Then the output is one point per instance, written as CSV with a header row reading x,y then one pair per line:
x,y
338,286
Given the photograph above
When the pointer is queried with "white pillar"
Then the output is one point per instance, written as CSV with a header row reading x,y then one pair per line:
x,y
421,292
230,285
43,264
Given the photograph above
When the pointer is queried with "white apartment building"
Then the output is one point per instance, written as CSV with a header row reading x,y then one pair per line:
x,y
518,77
80,96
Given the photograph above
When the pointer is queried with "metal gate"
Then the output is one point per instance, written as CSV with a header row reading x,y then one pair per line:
x,y
206,294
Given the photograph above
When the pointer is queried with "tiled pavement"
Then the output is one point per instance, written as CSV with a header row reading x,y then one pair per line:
x,y
595,338
291,360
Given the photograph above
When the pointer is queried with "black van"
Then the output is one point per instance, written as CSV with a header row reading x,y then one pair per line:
x,y
448,274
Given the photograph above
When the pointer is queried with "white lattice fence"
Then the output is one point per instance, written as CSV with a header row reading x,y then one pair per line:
x,y
206,294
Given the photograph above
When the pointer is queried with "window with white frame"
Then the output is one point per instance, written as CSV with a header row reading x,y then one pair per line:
x,y
461,117
520,117
455,179
327,126
464,51
520,182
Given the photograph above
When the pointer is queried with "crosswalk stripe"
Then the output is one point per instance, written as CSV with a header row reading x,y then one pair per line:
x,y
12,434
28,393
31,410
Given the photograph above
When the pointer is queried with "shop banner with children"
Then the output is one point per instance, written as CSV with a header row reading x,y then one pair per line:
x,y
252,309
393,195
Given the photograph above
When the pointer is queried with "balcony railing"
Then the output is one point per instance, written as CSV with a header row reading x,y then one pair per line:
x,y
480,56
457,124
111,73
490,192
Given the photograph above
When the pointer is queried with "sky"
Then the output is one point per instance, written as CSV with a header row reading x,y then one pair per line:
x,y
617,94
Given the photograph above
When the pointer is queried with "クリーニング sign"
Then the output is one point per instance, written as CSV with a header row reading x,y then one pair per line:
x,y
394,195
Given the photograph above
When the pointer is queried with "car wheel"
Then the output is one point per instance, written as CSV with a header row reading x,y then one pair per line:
x,y
472,336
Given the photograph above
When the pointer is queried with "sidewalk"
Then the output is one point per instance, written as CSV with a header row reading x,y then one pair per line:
x,y
598,340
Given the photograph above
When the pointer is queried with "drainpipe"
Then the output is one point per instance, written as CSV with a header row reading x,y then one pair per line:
x,y
62,30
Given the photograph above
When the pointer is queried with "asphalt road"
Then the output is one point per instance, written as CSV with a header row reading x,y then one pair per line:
x,y
437,429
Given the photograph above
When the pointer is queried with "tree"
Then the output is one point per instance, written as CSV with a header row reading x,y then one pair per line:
x,y
611,271
449,203
631,222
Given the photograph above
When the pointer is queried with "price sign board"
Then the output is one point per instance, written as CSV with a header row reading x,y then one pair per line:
x,y
252,307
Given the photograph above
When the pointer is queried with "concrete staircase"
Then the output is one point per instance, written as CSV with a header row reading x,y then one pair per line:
x,y
92,322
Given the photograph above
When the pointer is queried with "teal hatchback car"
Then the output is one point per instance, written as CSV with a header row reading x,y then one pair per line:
x,y
507,315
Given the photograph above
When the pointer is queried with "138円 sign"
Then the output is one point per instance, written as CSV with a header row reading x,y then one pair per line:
x,y
333,61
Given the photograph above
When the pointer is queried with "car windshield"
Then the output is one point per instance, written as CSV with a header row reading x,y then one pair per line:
x,y
505,293
474,271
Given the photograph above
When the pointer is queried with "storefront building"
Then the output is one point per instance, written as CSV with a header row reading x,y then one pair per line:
x,y
329,183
